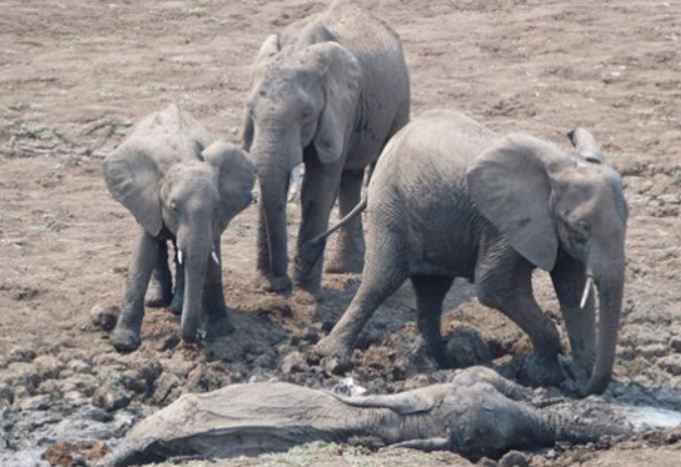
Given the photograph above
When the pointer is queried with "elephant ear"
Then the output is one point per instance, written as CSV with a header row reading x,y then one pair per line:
x,y
235,178
133,179
404,403
341,74
586,145
511,186
268,49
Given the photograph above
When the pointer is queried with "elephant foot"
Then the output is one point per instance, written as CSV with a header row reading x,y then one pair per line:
x,y
125,340
276,284
331,347
345,264
577,375
217,328
176,308
307,282
541,371
440,356
307,271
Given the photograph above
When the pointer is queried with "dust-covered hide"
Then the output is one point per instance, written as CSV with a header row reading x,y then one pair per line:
x,y
478,413
241,419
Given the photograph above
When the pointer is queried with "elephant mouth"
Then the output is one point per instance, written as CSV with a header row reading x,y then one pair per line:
x,y
213,256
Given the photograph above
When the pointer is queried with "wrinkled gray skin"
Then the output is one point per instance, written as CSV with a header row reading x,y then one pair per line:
x,y
450,198
329,92
477,414
182,187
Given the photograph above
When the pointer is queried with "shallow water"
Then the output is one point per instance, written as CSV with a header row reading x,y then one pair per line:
x,y
642,417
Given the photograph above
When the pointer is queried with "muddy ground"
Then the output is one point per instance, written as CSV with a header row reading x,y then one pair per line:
x,y
75,74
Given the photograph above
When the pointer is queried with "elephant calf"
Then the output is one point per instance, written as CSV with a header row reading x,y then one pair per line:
x,y
182,186
478,413
450,198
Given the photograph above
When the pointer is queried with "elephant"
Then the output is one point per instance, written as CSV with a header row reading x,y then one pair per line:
x,y
183,186
478,413
329,92
451,198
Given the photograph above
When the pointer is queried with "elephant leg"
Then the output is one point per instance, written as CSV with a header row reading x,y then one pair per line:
x,y
126,335
384,272
160,290
506,285
430,292
569,277
320,186
349,256
217,322
178,293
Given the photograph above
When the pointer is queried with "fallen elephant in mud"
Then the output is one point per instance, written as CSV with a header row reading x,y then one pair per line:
x,y
478,413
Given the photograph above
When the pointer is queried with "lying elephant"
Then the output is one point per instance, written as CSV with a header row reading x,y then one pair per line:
x,y
181,186
477,414
450,198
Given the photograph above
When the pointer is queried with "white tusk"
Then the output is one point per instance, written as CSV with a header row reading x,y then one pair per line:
x,y
179,257
214,255
585,294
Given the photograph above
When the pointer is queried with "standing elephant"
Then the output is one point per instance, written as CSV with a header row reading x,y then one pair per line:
x,y
181,186
329,92
450,198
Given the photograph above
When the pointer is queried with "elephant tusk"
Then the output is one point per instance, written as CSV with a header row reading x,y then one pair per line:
x,y
179,257
587,289
214,255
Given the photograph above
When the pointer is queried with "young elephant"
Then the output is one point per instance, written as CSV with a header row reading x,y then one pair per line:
x,y
329,92
181,186
477,413
449,198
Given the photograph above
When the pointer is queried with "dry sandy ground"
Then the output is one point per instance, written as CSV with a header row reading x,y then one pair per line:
x,y
75,74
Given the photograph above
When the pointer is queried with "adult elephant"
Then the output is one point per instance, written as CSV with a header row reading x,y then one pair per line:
x,y
450,198
329,92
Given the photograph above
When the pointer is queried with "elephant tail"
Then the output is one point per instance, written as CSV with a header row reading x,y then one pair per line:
x,y
361,206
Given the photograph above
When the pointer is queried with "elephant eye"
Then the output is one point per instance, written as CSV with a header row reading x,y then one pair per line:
x,y
173,205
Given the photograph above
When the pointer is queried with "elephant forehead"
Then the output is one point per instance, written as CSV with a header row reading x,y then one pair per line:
x,y
277,79
188,178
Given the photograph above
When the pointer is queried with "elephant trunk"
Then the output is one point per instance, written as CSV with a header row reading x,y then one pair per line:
x,y
275,157
606,266
195,245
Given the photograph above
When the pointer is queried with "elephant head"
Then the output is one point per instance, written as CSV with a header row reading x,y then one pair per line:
x,y
542,201
303,98
193,199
